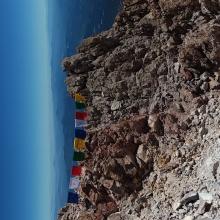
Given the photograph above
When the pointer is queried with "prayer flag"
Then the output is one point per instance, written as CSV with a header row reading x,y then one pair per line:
x,y
80,133
80,123
79,98
79,144
76,170
81,115
74,183
80,105
73,198
78,156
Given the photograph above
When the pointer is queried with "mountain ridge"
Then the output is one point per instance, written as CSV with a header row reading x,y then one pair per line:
x,y
152,86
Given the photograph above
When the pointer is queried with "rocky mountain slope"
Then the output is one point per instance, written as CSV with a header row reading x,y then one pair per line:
x,y
152,83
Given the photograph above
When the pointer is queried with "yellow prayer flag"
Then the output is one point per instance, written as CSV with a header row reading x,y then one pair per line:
x,y
79,144
79,98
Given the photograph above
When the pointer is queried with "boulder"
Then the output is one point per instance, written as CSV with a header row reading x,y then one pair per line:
x,y
115,216
155,124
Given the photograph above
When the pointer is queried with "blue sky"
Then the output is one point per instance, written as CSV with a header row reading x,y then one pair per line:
x,y
26,129
36,122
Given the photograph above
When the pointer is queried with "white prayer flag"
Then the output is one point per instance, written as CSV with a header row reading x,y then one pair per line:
x,y
80,123
74,183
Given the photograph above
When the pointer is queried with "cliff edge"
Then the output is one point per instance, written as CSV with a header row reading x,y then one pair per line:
x,y
152,84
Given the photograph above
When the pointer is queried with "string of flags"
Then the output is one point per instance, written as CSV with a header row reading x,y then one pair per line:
x,y
79,146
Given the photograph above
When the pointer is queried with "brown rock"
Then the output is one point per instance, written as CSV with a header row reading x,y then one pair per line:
x,y
214,85
115,216
155,124
158,55
143,155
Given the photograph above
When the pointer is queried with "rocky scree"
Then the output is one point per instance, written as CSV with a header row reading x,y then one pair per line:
x,y
152,84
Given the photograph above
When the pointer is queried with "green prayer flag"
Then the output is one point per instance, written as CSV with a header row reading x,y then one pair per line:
x,y
80,105
78,156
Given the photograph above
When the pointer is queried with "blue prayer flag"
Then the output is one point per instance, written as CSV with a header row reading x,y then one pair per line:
x,y
79,133
73,198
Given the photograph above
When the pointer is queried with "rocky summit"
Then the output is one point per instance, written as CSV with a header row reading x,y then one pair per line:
x,y
152,84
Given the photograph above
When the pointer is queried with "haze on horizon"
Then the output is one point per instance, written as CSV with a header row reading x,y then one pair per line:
x,y
26,112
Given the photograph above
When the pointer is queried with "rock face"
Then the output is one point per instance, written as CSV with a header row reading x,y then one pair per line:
x,y
152,84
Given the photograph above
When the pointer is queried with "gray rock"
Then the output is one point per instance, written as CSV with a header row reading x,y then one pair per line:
x,y
176,205
214,85
189,197
217,76
115,105
143,154
204,206
205,76
205,86
204,218
208,197
115,216
189,217
155,124
203,131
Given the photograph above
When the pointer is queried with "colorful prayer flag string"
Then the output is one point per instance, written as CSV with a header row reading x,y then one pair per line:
x,y
79,146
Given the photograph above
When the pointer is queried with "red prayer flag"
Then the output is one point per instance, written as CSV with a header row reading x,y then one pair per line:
x,y
76,171
81,115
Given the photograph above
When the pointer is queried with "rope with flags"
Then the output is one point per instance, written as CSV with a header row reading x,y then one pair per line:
x,y
79,146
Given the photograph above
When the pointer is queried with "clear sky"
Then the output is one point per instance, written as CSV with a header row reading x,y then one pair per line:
x,y
26,133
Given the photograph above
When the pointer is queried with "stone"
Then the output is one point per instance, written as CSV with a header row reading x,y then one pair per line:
x,y
204,218
217,76
78,64
143,155
205,76
108,183
214,85
208,197
208,7
115,105
155,124
189,217
205,86
187,198
176,205
115,216
204,206
203,131
107,208
170,6
190,197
